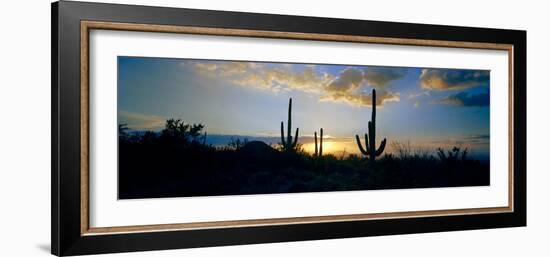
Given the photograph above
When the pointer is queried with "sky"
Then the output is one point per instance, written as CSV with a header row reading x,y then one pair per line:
x,y
424,107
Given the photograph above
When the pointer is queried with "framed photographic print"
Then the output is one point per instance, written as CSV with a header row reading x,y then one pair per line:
x,y
177,128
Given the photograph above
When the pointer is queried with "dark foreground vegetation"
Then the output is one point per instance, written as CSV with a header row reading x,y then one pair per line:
x,y
178,162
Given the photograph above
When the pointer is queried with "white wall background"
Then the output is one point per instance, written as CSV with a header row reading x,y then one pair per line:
x,y
25,127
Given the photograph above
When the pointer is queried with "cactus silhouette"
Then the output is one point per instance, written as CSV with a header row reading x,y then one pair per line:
x,y
319,150
288,144
370,138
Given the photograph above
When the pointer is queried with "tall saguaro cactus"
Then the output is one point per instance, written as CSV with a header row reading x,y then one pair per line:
x,y
370,138
319,149
288,144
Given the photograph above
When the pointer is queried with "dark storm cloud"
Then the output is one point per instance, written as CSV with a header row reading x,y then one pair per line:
x,y
450,79
467,99
380,77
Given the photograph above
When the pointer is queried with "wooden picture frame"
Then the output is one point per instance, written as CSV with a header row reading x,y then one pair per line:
x,y
71,25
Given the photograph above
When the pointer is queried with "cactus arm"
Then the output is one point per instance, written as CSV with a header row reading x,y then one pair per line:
x,y
321,145
368,150
295,139
283,135
381,148
360,146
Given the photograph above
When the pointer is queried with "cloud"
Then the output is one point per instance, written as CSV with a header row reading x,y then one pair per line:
x,y
377,77
380,77
448,79
347,87
416,95
466,99
226,68
348,80
477,138
264,77
361,99
140,121
471,140
307,80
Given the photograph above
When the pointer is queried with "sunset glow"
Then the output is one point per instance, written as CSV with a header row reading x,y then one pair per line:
x,y
429,108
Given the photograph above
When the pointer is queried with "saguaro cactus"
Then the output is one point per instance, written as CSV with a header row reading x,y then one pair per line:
x,y
370,138
288,144
319,149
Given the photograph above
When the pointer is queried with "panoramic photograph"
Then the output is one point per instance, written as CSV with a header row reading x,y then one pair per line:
x,y
194,127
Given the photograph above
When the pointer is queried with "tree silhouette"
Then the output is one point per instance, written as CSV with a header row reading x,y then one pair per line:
x,y
178,132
